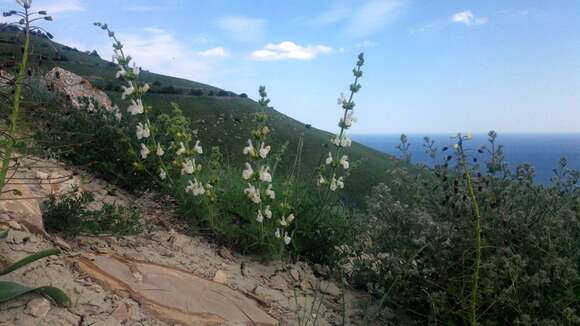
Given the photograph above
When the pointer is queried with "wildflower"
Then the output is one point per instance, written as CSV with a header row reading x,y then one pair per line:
x,y
188,167
469,136
121,73
264,150
455,146
348,120
181,149
329,158
145,88
341,99
127,91
196,188
248,172
253,194
136,70
336,183
268,212
283,221
197,148
321,180
160,150
344,162
143,131
249,150
144,151
136,107
260,217
290,218
118,115
340,182
265,174
277,234
270,193
287,238
162,174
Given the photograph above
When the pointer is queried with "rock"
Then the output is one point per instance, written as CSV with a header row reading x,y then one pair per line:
x,y
74,86
225,253
220,277
329,288
294,273
18,198
278,282
321,270
122,313
37,307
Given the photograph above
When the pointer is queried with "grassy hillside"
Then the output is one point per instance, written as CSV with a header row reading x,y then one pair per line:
x,y
222,118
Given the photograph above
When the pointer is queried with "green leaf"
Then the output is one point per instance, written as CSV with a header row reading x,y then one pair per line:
x,y
11,290
29,259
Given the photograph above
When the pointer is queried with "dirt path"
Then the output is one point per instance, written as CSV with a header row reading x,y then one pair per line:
x,y
160,277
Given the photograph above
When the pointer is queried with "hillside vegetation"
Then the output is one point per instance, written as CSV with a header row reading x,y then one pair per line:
x,y
221,117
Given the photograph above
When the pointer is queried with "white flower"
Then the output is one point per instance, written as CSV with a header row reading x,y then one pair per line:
x,y
143,131
253,194
341,99
196,188
469,136
127,91
321,180
118,115
290,218
160,150
283,222
248,172
264,150
136,107
268,212
260,217
277,234
345,142
347,122
265,174
329,158
197,148
340,182
122,72
181,149
91,107
162,174
344,162
270,193
188,167
144,151
136,70
249,150
287,238
456,146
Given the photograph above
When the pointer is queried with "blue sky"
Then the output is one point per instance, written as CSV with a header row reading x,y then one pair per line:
x,y
432,66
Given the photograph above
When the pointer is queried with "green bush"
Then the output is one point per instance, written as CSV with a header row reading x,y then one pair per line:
x,y
69,214
417,250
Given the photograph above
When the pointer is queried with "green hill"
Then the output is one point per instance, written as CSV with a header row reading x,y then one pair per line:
x,y
222,118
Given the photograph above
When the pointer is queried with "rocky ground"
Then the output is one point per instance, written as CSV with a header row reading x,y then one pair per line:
x,y
161,277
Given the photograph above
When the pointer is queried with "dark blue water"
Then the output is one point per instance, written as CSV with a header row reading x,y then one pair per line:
x,y
542,151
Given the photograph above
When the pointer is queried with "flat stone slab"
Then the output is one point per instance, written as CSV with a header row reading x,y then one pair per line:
x,y
172,294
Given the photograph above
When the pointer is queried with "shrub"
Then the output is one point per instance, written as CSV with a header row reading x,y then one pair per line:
x,y
69,214
418,256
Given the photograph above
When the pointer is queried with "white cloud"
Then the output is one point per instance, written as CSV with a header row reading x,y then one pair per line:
x,y
214,52
289,51
468,18
159,51
366,44
59,6
372,16
243,29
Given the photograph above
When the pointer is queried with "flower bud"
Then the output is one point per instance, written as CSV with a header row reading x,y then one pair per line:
x,y
49,18
42,12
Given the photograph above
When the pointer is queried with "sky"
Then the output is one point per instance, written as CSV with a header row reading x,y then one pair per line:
x,y
432,66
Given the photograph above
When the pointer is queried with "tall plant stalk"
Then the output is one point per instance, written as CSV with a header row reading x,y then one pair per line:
x,y
477,232
9,145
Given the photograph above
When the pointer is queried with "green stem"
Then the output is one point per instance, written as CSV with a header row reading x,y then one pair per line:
x,y
474,287
16,106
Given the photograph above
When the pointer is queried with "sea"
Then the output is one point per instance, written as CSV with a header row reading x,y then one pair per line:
x,y
542,151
